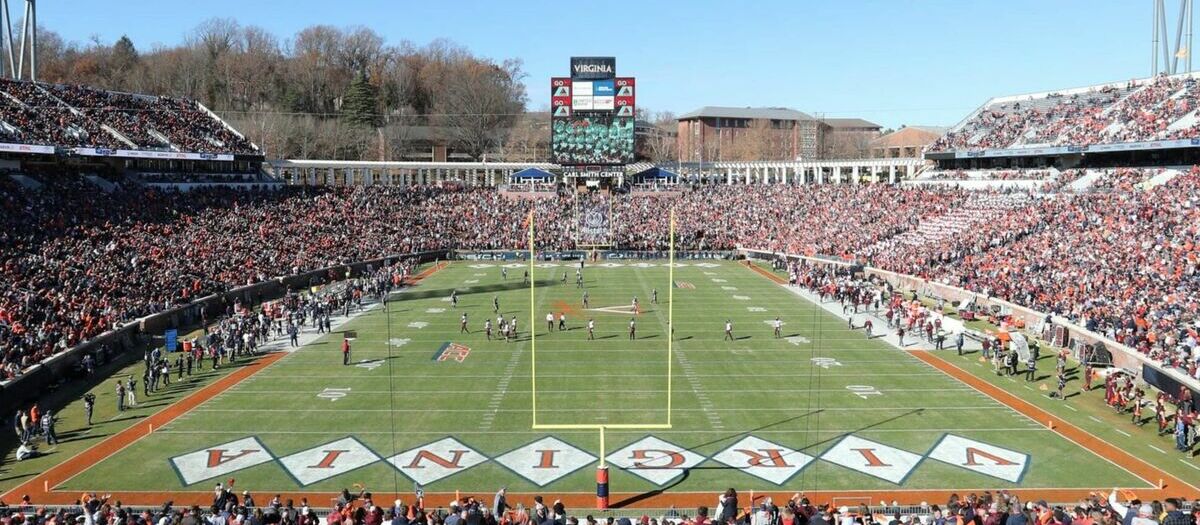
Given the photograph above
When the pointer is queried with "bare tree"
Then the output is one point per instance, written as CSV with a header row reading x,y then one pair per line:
x,y
480,104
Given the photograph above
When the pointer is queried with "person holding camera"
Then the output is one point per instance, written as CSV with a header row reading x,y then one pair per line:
x,y
89,406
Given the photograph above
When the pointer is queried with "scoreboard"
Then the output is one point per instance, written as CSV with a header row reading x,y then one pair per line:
x,y
592,114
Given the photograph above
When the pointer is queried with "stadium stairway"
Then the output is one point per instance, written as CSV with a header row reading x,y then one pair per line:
x,y
1162,178
976,210
26,181
1086,181
104,184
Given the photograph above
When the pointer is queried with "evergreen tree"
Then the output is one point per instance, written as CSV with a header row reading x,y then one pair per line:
x,y
360,107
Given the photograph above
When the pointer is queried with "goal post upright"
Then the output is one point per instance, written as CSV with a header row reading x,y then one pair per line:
x,y
670,313
532,326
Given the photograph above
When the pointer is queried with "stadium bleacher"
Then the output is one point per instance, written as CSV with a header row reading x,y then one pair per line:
x,y
78,116
1082,255
1153,109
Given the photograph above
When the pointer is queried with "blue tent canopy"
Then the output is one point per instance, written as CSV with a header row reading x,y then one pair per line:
x,y
655,173
532,173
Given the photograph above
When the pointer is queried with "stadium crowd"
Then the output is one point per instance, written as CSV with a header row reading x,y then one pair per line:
x,y
71,116
230,508
1121,261
1135,112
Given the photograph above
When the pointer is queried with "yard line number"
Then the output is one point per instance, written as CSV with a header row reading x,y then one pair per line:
x,y
864,391
333,394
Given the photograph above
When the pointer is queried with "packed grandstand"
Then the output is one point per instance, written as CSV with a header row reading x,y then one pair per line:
x,y
74,277
69,116
1114,249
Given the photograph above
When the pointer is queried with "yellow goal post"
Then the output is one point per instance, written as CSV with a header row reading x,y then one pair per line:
x,y
670,348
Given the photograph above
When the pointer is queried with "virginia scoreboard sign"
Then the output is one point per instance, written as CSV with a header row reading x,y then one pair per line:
x,y
592,114
593,68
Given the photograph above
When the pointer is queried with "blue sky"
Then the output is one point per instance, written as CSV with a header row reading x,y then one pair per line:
x,y
893,62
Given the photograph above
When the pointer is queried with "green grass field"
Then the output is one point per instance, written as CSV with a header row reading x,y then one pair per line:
x,y
821,408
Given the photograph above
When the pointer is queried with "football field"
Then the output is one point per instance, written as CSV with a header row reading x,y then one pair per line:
x,y
820,408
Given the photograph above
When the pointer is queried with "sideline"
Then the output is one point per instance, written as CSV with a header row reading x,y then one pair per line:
x,y
1172,486
41,489
1167,484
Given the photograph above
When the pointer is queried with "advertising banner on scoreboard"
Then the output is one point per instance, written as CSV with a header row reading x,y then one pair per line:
x,y
625,96
560,97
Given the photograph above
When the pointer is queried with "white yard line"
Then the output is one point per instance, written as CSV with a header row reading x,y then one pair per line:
x,y
731,375
609,391
1160,451
567,410
1121,432
856,430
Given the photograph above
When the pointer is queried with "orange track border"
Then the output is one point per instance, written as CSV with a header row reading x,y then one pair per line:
x,y
652,499
1169,485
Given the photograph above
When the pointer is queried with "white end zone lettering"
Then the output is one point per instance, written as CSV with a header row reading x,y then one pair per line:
x,y
655,460
545,460
328,460
219,460
428,463
874,459
764,459
984,458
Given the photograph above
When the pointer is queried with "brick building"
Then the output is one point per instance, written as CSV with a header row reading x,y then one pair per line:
x,y
714,133
907,142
